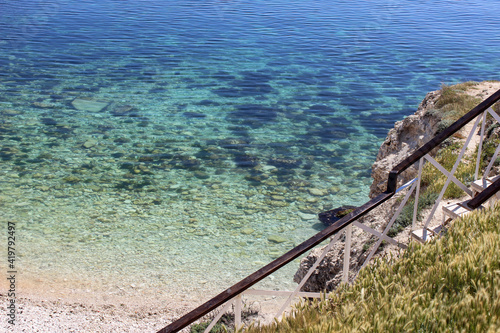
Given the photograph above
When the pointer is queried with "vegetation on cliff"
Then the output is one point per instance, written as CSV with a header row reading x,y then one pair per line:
x,y
449,285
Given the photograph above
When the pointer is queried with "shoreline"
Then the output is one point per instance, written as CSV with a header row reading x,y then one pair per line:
x,y
40,314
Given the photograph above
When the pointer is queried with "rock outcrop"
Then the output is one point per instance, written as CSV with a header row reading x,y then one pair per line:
x,y
402,140
407,136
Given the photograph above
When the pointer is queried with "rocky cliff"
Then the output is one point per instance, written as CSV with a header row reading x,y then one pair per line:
x,y
407,136
402,140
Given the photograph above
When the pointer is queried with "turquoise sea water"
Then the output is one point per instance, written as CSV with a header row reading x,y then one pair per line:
x,y
153,145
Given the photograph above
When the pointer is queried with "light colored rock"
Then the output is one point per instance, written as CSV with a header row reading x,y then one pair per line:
x,y
318,192
276,239
89,105
407,136
268,168
90,143
307,217
11,112
247,231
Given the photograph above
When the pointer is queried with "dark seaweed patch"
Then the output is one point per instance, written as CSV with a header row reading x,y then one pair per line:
x,y
253,115
321,110
207,102
190,114
49,121
250,88
245,160
223,76
227,92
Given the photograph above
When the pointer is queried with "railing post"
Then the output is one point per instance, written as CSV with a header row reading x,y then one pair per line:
x,y
480,147
347,253
417,194
237,313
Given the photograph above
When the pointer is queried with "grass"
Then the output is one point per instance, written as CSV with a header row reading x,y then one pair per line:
x,y
454,103
449,285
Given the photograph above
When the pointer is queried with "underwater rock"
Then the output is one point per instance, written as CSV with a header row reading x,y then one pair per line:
x,y
191,114
277,203
307,217
71,179
201,174
7,153
258,178
43,105
247,231
10,112
298,183
124,110
187,162
233,143
121,140
317,192
246,160
284,162
276,239
90,143
89,105
253,115
49,121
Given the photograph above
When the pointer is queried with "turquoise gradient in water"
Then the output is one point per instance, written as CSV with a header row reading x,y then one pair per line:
x,y
168,145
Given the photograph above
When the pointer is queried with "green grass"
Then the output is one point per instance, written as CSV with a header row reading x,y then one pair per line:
x,y
449,285
454,103
201,327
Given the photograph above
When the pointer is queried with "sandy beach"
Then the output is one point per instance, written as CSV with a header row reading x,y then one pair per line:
x,y
45,314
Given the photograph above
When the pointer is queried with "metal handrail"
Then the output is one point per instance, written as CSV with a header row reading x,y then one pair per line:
x,y
270,268
485,195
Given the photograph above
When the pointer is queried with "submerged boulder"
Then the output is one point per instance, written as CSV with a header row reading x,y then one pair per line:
x,y
89,105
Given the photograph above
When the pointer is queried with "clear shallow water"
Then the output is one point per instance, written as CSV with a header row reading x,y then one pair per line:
x,y
212,126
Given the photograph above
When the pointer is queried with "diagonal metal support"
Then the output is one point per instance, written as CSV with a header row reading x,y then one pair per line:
x,y
217,318
417,194
452,172
448,174
347,253
493,114
379,234
309,273
492,162
391,222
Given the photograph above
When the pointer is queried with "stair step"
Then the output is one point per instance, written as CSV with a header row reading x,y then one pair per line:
x,y
479,185
425,235
455,210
